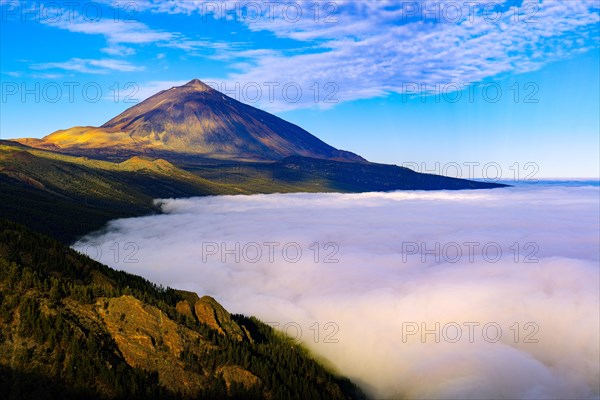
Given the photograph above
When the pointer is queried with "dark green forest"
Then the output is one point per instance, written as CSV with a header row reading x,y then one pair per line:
x,y
51,349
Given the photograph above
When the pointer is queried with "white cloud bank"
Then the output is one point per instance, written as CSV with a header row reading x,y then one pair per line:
x,y
377,298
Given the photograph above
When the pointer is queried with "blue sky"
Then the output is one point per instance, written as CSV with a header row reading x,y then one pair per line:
x,y
380,78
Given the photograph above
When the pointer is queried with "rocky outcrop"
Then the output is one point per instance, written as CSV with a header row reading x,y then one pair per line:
x,y
208,311
150,340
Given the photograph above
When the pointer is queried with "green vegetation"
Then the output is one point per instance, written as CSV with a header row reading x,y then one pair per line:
x,y
60,338
66,196
294,174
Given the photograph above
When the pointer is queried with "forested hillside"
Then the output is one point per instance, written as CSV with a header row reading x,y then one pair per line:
x,y
73,328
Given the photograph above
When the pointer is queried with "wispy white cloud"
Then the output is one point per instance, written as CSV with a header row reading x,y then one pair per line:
x,y
118,50
47,76
116,32
123,35
205,47
91,66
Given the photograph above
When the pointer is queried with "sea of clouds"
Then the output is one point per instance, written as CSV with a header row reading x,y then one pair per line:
x,y
445,294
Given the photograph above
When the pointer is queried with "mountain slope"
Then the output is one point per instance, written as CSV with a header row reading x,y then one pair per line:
x,y
73,328
368,177
194,119
66,196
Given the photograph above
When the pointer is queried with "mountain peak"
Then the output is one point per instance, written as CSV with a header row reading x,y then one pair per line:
x,y
198,84
195,119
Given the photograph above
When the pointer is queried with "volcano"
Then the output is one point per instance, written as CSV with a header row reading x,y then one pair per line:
x,y
194,120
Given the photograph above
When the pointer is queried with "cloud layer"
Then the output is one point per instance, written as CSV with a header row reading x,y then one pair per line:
x,y
376,303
